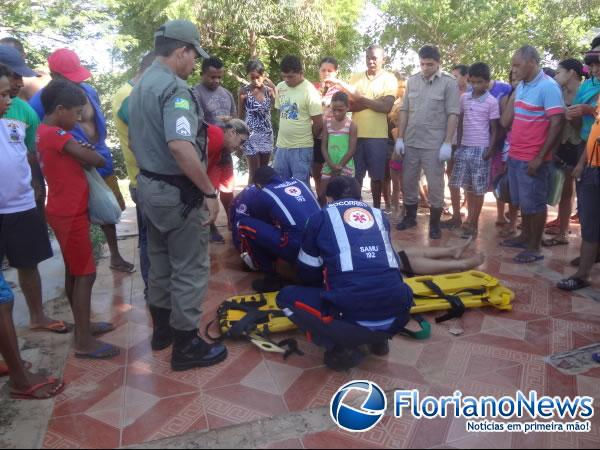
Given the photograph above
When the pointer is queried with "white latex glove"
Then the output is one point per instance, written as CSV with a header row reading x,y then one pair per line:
x,y
445,152
399,147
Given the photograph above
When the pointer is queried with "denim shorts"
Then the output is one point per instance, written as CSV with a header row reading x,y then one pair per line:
x,y
294,162
588,195
530,193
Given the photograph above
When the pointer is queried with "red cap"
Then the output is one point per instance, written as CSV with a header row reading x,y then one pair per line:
x,y
66,63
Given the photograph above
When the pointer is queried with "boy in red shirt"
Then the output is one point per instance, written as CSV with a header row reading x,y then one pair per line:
x,y
63,163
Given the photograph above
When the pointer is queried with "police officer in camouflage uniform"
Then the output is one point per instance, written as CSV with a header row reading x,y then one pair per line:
x,y
175,194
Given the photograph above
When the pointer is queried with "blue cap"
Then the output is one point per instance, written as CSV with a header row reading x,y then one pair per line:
x,y
11,57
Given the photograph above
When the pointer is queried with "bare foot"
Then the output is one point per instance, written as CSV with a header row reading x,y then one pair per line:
x,y
474,261
507,231
460,249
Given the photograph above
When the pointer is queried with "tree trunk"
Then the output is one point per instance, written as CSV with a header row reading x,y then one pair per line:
x,y
252,41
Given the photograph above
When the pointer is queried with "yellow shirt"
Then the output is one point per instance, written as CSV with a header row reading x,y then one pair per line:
x,y
121,117
296,107
373,124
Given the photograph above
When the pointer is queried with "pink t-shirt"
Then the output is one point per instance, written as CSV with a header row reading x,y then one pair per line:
x,y
478,111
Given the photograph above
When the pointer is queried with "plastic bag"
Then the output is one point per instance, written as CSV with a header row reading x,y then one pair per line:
x,y
103,206
557,182
6,294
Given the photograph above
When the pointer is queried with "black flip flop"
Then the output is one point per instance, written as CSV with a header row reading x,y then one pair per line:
x,y
572,284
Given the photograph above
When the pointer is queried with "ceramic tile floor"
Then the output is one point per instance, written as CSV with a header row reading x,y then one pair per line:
x,y
136,398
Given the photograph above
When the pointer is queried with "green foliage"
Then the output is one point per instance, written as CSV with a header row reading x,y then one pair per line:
x,y
98,240
107,84
237,31
48,24
467,31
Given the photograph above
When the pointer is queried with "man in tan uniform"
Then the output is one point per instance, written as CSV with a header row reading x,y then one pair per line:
x,y
427,123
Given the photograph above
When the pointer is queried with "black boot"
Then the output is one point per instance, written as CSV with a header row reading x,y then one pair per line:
x,y
380,348
342,359
435,214
270,283
190,350
162,333
410,218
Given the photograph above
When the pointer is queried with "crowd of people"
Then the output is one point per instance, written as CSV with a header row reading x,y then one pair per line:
x,y
414,137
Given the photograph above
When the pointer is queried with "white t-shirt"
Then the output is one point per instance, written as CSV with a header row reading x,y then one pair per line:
x,y
16,193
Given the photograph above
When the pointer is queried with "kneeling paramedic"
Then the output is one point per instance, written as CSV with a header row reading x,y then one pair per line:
x,y
275,225
359,296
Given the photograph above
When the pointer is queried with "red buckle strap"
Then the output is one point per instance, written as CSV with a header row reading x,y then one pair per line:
x,y
313,312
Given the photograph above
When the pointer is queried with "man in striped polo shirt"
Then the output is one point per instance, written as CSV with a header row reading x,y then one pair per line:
x,y
536,111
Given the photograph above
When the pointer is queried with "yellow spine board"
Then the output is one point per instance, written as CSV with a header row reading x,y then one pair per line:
x,y
452,282
496,295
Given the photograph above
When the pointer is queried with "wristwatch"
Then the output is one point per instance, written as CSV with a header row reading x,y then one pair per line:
x,y
215,194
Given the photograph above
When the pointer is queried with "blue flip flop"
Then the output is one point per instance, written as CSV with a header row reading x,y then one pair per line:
x,y
104,352
527,257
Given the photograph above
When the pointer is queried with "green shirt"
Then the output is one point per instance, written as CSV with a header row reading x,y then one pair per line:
x,y
162,108
21,111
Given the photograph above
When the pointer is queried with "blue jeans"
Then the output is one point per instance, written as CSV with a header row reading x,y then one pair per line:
x,y
530,193
142,239
294,162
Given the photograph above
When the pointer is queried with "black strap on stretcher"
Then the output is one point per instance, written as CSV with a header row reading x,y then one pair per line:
x,y
250,323
407,269
457,306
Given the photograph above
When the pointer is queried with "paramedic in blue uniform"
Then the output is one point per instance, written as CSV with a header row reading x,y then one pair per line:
x,y
347,255
279,212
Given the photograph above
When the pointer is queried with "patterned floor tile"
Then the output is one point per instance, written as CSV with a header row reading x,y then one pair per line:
x,y
167,418
137,398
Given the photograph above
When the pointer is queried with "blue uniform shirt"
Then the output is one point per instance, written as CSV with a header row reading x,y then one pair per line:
x,y
286,204
350,242
77,132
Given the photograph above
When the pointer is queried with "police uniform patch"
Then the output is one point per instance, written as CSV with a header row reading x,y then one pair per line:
x,y
242,208
293,191
183,127
182,103
359,218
